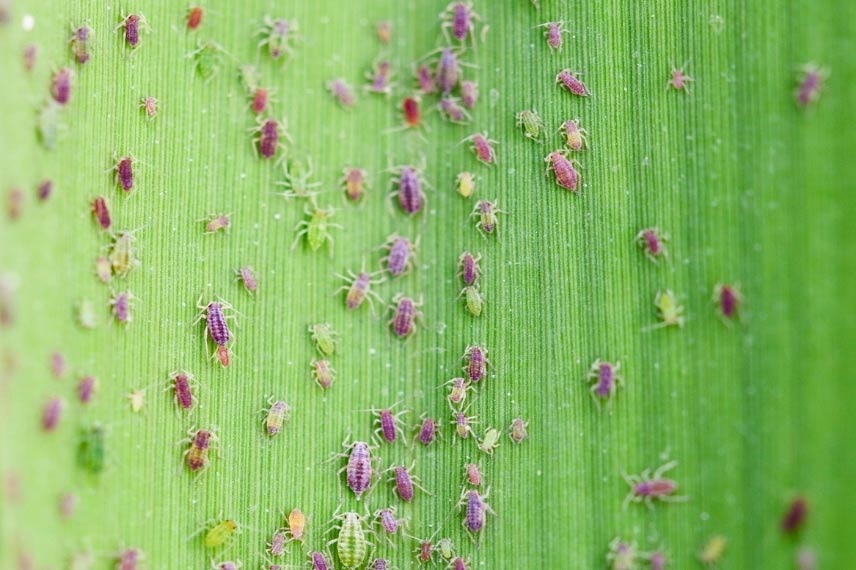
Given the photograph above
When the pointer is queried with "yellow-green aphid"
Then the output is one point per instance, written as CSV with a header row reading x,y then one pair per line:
x,y
324,337
473,299
466,184
446,548
49,125
277,415
221,532
316,229
208,57
576,137
297,181
86,314
670,312
137,399
250,77
121,255
621,555
351,544
532,124
713,550
90,450
490,441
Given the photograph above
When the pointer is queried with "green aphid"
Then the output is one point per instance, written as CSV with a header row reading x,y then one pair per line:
x,y
48,125
90,450
670,312
316,229
446,548
324,337
532,124
208,57
86,314
220,533
473,299
490,441
250,77
351,544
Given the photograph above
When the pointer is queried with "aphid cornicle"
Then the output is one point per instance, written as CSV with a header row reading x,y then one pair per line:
x,y
652,241
405,314
475,510
566,175
279,36
517,430
351,544
323,373
217,327
466,184
553,33
679,80
646,487
713,550
61,85
569,80
354,183
79,42
181,383
52,413
473,300
605,379
669,311
276,416
133,25
576,137
622,555
810,84
460,19
728,298
795,516
342,92
410,195
476,363
200,442
532,124
482,147
324,337
402,255
489,441
296,525
220,533
316,228
487,220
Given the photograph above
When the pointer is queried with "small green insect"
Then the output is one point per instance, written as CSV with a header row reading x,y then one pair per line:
x,y
473,299
48,125
446,548
316,229
669,311
351,544
220,533
297,181
490,441
208,57
250,77
324,337
122,258
532,124
86,314
90,450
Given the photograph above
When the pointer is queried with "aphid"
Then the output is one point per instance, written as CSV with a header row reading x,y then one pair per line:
x,y
218,222
469,93
121,307
446,548
476,363
425,80
410,195
319,561
384,31
679,80
389,424
250,77
15,203
448,71
669,311
276,546
217,326
532,124
52,413
452,111
268,139
647,487
517,430
576,138
124,169
458,563
342,92
48,125
324,337
316,228
379,564
297,176
605,379
412,112
103,269
276,416
86,388
122,258
658,560
463,424
713,550
354,183
196,455
553,33
795,516
806,558
58,364
61,85
490,440
323,373
465,184
101,212
90,450
351,544
621,555
425,551
359,289
569,80
229,565
810,84
486,214
405,314
182,386
473,300
475,509
473,475
67,505
359,470
80,43
129,559
207,57
652,241
296,525
379,78
566,175
728,298
427,431
458,388
483,148
460,18
404,482
402,255
279,36
44,190
31,53
194,17
468,268
133,24
220,533
259,100
136,400
387,520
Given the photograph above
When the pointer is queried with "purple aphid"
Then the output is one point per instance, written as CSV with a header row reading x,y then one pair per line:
x,y
229,565
425,80
476,363
61,85
389,424
121,303
652,241
86,388
448,70
359,470
52,413
410,195
31,54
468,268
795,516
679,80
427,431
45,190
473,475
566,175
182,387
387,520
259,102
248,278
810,85
728,298
342,92
318,561
216,327
58,364
553,33
452,111
475,509
576,138
483,147
380,564
459,18
80,43
276,547
458,563
268,137
402,255
469,93
379,78
605,378
569,80
646,487
405,483
129,559
124,169
133,24
101,212
658,560
359,289
406,312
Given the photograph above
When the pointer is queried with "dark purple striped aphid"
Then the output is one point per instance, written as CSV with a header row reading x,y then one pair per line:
x,y
52,413
658,560
653,243
473,475
359,288
388,521
566,175
380,78
795,516
569,80
216,326
101,212
475,509
428,432
45,189
646,487
359,471
124,169
410,195
380,564
469,93
248,278
402,255
121,303
475,363
605,378
133,24
459,18
79,42
452,111
182,384
404,482
678,80
405,314
458,563
458,388
483,148
810,84
463,423
728,298
86,389
517,430
553,33
487,220
468,268
267,141
61,85
58,364
319,561
425,80
276,546
342,92
389,424
448,71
